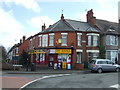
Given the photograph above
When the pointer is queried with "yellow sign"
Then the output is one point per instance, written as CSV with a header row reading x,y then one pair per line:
x,y
39,51
65,51
63,65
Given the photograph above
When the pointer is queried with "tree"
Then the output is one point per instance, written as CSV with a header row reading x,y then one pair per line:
x,y
23,58
101,47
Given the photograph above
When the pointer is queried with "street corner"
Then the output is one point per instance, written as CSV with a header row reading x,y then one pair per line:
x,y
14,82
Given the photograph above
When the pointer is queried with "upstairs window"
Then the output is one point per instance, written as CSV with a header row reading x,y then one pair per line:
x,y
89,40
112,40
64,39
79,38
51,40
92,39
40,40
95,40
44,40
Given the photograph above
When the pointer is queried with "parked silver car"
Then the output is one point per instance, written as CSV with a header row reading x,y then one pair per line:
x,y
101,65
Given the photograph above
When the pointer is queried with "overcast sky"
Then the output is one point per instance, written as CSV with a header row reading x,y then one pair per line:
x,y
25,17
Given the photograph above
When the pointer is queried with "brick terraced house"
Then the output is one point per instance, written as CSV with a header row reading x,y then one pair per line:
x,y
69,43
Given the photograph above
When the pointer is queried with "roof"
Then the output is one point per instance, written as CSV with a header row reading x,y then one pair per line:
x,y
81,26
107,27
70,25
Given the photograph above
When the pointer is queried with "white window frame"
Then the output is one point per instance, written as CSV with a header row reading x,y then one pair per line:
x,y
40,40
110,39
44,40
79,39
64,39
89,40
112,58
79,60
51,39
95,40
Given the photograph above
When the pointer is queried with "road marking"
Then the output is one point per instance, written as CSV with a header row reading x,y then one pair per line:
x,y
44,77
116,86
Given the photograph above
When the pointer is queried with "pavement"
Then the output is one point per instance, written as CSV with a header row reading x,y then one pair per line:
x,y
45,71
15,81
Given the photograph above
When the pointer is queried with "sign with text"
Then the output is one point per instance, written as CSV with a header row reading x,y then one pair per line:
x,y
63,51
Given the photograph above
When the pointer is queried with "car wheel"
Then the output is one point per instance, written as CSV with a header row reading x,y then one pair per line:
x,y
117,69
99,70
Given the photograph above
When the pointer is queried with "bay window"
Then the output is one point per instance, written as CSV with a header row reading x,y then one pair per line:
x,y
112,40
92,39
111,55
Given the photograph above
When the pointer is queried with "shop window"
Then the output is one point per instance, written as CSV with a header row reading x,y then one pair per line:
x,y
42,58
79,57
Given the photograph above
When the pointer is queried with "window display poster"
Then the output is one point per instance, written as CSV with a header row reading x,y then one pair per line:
x,y
37,58
68,66
50,64
59,65
63,65
55,65
68,59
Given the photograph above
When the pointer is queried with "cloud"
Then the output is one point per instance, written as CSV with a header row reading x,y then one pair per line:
x,y
39,21
106,15
28,4
10,29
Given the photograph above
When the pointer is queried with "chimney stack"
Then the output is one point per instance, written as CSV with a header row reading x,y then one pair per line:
x,y
90,18
62,17
24,39
43,27
20,41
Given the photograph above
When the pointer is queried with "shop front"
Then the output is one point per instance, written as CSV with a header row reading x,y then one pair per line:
x,y
54,58
60,58
40,56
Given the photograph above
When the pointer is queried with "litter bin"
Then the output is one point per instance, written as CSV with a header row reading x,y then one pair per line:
x,y
33,67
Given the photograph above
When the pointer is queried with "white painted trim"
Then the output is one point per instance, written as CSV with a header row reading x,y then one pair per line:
x,y
111,50
96,51
64,33
79,33
79,50
93,34
40,35
51,33
44,77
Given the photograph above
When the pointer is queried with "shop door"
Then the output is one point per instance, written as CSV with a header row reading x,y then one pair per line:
x,y
51,60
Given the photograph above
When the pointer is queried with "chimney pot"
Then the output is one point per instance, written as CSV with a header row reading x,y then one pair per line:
x,y
24,38
62,17
20,41
43,27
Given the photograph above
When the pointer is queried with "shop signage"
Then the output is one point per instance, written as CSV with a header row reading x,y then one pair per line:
x,y
64,51
31,53
52,50
39,51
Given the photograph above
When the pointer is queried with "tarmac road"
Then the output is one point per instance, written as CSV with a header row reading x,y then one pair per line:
x,y
75,80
